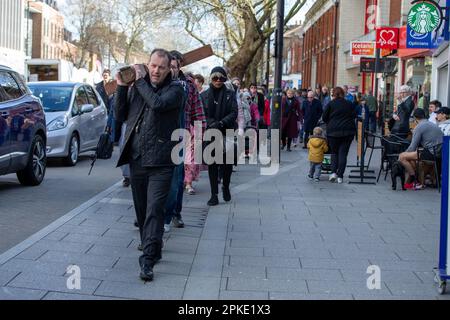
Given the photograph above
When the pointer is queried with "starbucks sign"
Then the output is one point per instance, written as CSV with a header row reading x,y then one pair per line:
x,y
424,17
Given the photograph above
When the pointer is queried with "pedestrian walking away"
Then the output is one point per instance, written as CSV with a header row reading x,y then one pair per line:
x,y
339,116
151,108
317,146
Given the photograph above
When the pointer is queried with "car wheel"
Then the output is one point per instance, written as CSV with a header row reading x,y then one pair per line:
x,y
74,150
34,172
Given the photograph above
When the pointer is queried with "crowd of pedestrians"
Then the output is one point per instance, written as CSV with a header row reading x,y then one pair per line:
x,y
162,98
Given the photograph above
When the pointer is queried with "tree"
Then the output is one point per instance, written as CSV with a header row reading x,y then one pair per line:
x,y
244,26
83,16
133,19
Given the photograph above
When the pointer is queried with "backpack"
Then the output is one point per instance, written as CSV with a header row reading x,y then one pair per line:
x,y
104,149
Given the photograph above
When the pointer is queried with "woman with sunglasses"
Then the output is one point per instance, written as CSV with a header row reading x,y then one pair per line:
x,y
221,111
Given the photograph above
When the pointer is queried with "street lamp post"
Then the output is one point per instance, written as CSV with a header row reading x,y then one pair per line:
x,y
268,56
277,91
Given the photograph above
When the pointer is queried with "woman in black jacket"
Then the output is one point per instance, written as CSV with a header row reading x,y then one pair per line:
x,y
221,111
340,117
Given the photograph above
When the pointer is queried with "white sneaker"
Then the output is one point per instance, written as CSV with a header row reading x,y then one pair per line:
x,y
340,180
166,227
333,177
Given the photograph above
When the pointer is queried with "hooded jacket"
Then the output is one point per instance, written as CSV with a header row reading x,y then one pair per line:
x,y
317,147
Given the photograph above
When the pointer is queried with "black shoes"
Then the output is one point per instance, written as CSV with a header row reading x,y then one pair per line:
x,y
226,194
126,182
146,273
178,222
214,201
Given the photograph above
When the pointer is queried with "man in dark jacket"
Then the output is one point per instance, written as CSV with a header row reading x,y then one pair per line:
x,y
312,111
221,112
404,111
151,107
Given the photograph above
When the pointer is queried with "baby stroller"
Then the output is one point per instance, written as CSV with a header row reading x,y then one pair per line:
x,y
326,163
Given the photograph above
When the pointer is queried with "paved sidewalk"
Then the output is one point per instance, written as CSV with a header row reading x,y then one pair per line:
x,y
281,237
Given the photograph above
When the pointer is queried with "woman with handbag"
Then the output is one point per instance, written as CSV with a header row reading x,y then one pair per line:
x,y
221,112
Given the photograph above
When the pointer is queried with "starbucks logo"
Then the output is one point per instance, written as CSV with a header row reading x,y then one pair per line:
x,y
424,17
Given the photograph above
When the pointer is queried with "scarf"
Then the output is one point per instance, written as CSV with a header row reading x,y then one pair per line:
x,y
216,103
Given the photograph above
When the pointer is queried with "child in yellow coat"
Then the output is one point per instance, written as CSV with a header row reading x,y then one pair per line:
x,y
317,146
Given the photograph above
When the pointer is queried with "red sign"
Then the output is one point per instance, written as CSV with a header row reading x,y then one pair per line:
x,y
363,48
370,16
387,38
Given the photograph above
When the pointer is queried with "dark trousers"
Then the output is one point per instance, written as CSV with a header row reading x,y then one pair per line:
x,y
213,172
174,203
306,138
150,187
372,121
339,147
284,137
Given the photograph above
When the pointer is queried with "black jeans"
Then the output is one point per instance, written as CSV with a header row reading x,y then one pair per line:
x,y
339,147
150,187
306,138
284,137
213,172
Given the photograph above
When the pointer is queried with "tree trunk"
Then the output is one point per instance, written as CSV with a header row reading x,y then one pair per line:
x,y
251,75
253,41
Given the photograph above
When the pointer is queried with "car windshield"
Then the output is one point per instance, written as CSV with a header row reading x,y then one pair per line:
x,y
53,98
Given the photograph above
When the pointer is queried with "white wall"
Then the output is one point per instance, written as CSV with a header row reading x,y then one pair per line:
x,y
13,58
351,26
438,77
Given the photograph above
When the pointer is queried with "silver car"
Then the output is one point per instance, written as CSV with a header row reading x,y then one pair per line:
x,y
75,115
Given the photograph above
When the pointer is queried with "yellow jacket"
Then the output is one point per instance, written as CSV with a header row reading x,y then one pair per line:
x,y
317,147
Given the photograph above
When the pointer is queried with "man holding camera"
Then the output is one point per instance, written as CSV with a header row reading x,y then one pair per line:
x,y
151,105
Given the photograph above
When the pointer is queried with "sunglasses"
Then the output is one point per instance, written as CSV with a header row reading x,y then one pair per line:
x,y
219,79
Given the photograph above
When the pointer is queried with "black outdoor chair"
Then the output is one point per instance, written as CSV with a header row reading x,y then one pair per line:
x,y
371,144
392,146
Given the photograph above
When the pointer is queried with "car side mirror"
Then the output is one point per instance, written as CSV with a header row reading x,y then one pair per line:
x,y
86,108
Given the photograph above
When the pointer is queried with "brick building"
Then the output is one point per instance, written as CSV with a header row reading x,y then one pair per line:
x,y
292,55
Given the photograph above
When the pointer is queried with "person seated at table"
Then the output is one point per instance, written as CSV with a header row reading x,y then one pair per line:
x,y
434,107
426,135
443,120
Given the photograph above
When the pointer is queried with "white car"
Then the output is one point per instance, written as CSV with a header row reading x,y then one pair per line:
x,y
75,114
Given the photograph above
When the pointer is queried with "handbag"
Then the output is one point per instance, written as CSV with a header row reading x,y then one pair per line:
x,y
104,149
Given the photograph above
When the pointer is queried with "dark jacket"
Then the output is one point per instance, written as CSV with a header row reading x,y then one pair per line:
x,y
100,87
311,114
340,115
226,113
404,111
160,108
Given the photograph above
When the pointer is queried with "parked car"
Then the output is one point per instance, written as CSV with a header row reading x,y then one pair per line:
x,y
76,117
22,130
